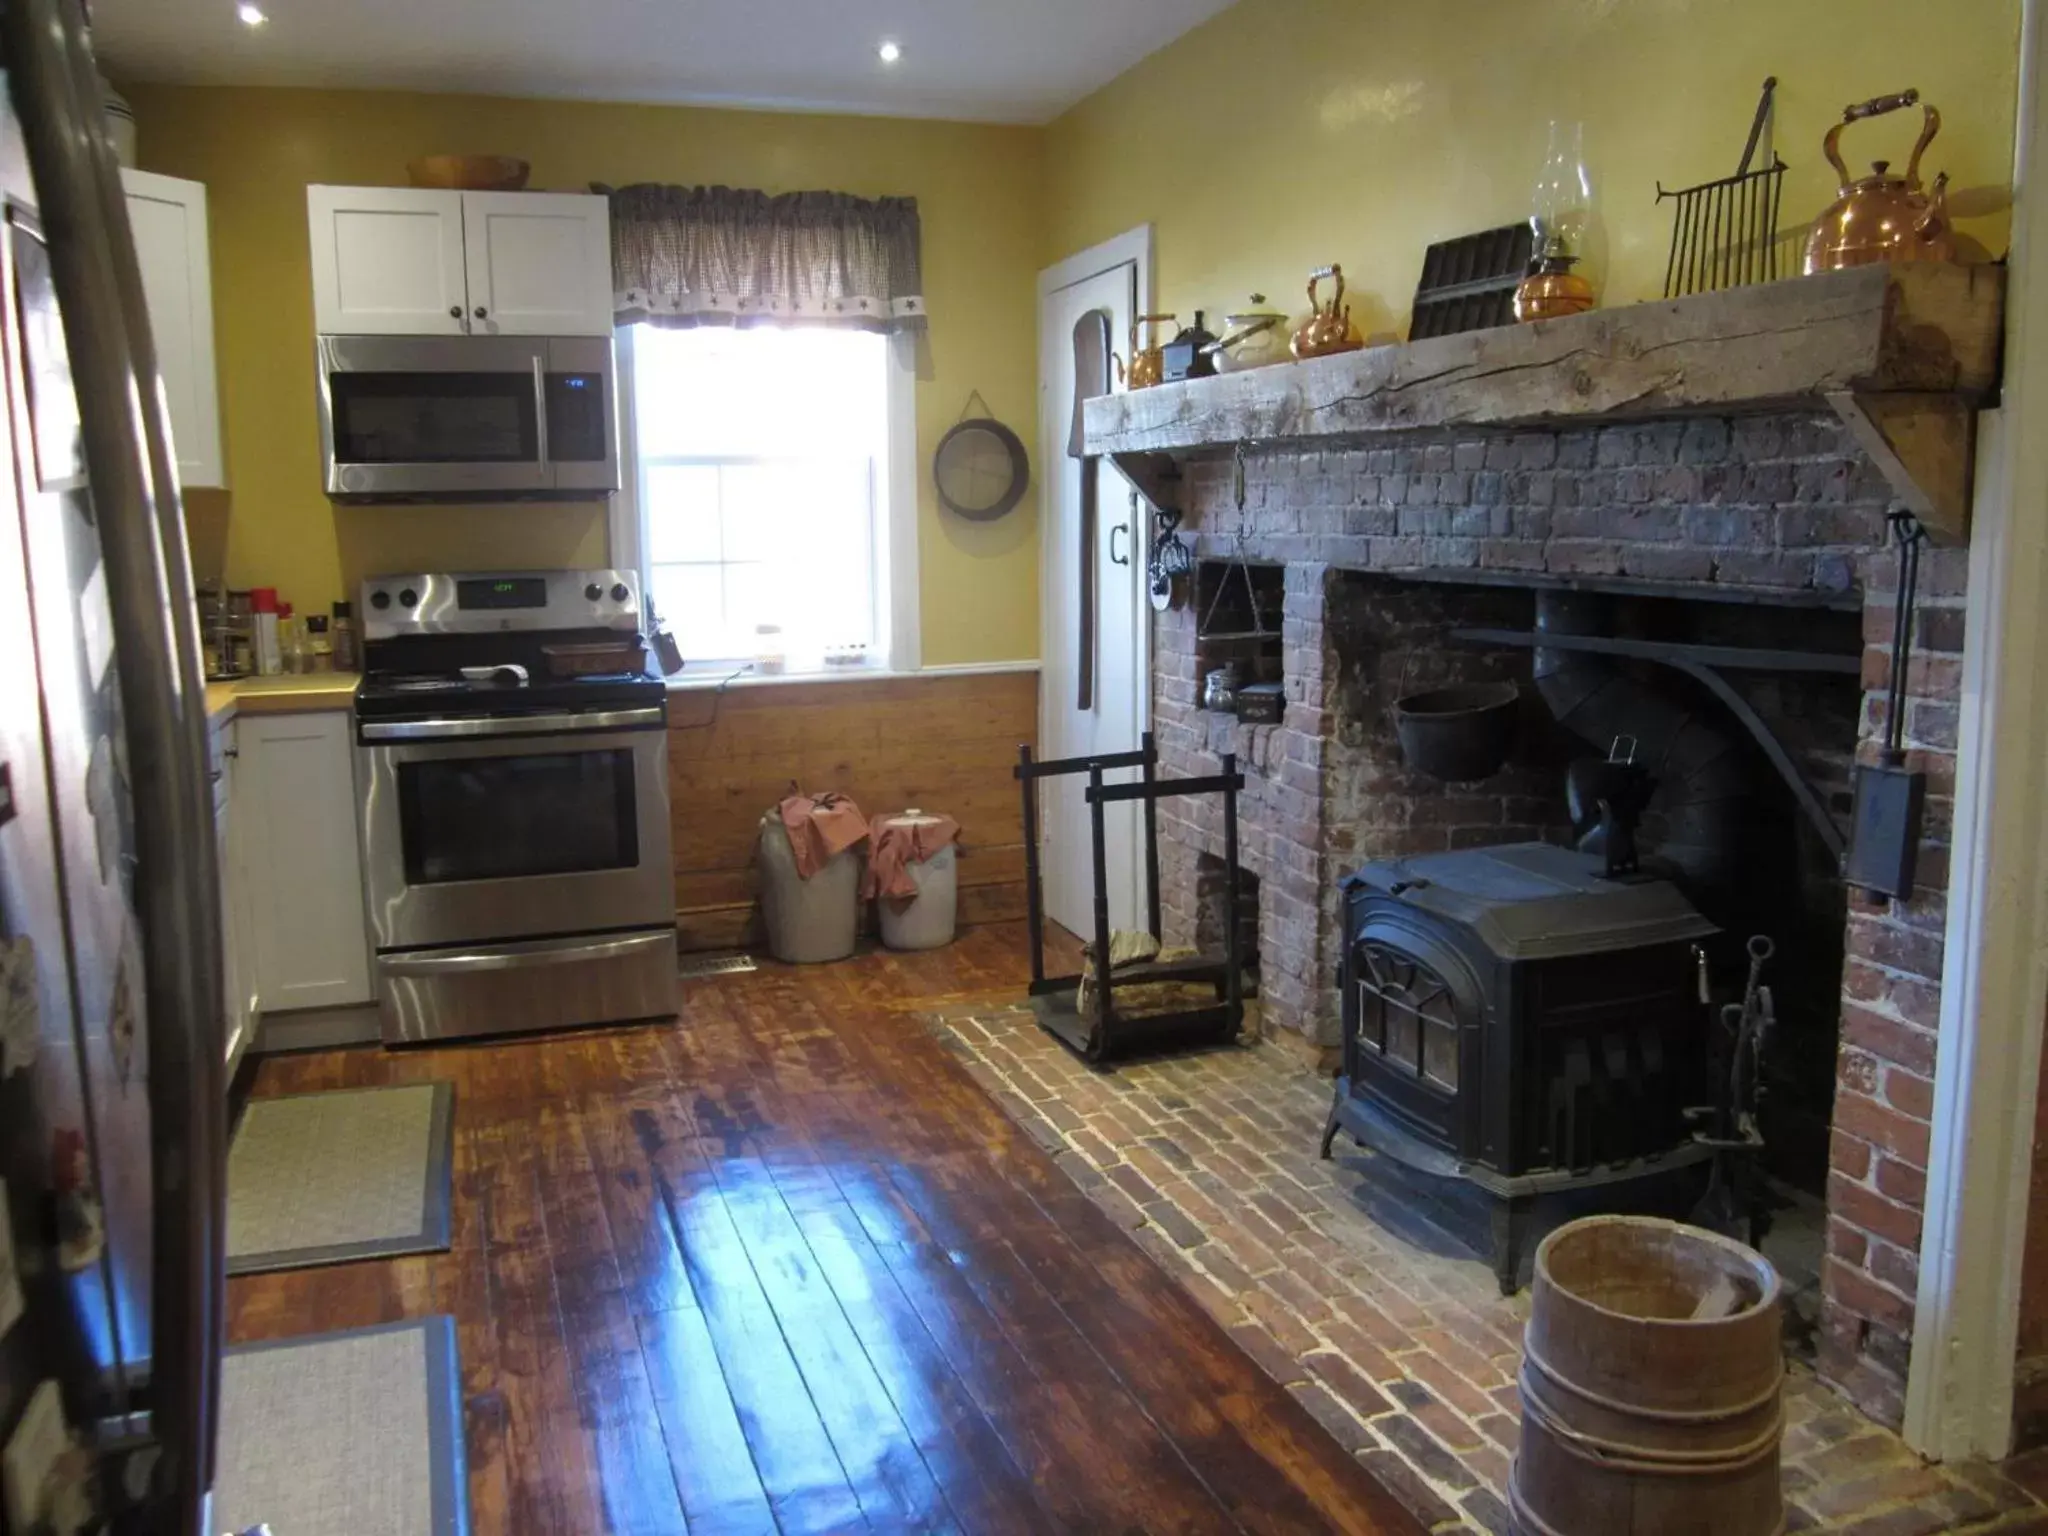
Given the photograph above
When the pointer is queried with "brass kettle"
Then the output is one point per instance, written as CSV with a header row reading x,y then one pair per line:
x,y
1882,217
1148,364
1328,328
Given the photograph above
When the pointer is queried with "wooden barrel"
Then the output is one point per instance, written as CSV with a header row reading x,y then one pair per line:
x,y
1652,1370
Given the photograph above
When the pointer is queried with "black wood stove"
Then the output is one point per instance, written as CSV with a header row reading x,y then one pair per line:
x,y
1515,1017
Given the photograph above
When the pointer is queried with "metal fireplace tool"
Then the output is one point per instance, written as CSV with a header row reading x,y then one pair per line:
x,y
1733,1204
1097,1028
1725,233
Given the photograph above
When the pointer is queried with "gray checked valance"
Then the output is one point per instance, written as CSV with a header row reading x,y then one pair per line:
x,y
727,256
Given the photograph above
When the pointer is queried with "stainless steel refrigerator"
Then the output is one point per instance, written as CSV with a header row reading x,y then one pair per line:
x,y
112,1101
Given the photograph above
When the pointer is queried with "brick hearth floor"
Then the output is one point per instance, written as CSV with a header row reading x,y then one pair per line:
x,y
1407,1355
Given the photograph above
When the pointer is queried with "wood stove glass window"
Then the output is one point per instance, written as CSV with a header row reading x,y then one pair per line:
x,y
1407,1017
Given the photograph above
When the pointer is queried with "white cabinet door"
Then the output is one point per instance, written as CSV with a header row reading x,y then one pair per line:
x,y
387,261
540,263
168,217
296,802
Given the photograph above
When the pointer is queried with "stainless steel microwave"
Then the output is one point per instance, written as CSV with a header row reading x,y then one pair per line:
x,y
468,418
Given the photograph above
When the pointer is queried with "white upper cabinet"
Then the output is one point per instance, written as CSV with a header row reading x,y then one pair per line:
x,y
540,263
391,261
387,261
168,218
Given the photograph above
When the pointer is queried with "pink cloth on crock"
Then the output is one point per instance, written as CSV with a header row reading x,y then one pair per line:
x,y
820,828
901,842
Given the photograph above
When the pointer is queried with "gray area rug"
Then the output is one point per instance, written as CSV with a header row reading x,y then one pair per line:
x,y
326,1178
346,1434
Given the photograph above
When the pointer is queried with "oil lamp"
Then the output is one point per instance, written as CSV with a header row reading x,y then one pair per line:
x,y
1559,209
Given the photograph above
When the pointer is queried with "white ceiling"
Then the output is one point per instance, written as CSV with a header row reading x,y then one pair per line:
x,y
1019,61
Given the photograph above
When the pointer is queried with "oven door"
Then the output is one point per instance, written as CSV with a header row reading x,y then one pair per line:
x,y
434,416
487,829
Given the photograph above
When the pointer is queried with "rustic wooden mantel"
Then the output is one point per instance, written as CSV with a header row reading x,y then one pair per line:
x,y
1904,354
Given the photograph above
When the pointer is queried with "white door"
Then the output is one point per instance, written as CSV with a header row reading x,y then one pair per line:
x,y
540,263
168,218
295,795
387,261
1108,280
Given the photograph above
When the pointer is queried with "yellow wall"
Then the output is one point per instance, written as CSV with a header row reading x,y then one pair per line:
x,y
979,190
1284,134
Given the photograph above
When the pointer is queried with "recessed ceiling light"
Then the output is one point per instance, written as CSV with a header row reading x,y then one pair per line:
x,y
890,52
251,15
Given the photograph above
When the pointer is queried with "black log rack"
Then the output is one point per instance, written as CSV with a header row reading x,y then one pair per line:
x,y
1705,664
1102,1031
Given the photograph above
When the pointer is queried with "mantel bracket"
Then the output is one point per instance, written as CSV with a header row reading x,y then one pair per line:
x,y
1924,444
1704,663
1154,476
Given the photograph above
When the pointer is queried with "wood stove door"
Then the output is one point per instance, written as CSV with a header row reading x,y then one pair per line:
x,y
1414,1012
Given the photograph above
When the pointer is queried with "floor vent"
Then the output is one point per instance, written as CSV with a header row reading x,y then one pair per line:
x,y
693,966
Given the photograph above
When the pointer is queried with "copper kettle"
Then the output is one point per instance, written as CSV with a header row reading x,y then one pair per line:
x,y
1328,328
1882,217
1148,363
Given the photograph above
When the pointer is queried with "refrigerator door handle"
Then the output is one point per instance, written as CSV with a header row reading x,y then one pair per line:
x,y
83,212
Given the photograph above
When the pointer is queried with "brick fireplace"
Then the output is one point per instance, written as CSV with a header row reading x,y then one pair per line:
x,y
1761,530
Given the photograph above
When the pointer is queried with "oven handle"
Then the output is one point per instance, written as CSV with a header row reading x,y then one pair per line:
x,y
523,956
512,725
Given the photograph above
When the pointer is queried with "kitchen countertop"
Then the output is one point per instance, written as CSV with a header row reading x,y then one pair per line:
x,y
287,695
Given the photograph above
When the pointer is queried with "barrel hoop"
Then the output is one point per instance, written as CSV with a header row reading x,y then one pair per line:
x,y
1660,1415
1615,1456
1524,1521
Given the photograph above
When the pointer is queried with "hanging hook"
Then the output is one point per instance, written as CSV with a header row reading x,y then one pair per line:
x,y
1237,474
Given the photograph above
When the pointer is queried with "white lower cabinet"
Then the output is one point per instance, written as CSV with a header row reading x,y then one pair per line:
x,y
238,971
297,861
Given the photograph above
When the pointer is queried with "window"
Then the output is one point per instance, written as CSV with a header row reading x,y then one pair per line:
x,y
768,489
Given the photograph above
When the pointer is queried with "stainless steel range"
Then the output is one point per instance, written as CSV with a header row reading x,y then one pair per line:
x,y
514,821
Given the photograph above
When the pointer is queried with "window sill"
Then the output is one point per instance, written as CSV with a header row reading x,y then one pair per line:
x,y
709,679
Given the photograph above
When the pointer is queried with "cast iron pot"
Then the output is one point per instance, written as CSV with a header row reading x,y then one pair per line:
x,y
1460,733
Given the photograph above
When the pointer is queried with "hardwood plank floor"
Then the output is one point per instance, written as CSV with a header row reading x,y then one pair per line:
x,y
782,1266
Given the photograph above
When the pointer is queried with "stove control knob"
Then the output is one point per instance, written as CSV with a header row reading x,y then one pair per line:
x,y
593,592
620,592
408,598
380,599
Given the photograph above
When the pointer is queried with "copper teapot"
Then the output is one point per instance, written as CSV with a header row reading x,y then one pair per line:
x,y
1882,217
1328,328
1148,364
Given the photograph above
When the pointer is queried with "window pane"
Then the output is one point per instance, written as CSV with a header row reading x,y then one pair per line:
x,y
763,508
682,513
762,451
692,599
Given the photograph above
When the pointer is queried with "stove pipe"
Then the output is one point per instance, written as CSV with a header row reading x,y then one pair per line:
x,y
1703,779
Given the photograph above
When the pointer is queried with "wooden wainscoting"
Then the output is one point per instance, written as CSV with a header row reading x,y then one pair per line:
x,y
944,742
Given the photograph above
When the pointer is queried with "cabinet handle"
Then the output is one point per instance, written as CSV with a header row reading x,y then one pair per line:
x,y
454,311
479,311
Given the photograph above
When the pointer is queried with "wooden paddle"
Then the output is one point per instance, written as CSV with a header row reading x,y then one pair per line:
x,y
1091,379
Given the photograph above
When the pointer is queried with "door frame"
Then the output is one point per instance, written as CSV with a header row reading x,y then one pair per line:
x,y
1959,1386
1134,246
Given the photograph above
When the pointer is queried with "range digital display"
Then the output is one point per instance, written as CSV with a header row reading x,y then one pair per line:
x,y
502,592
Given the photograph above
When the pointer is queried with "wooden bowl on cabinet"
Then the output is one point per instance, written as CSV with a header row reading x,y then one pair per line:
x,y
469,173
